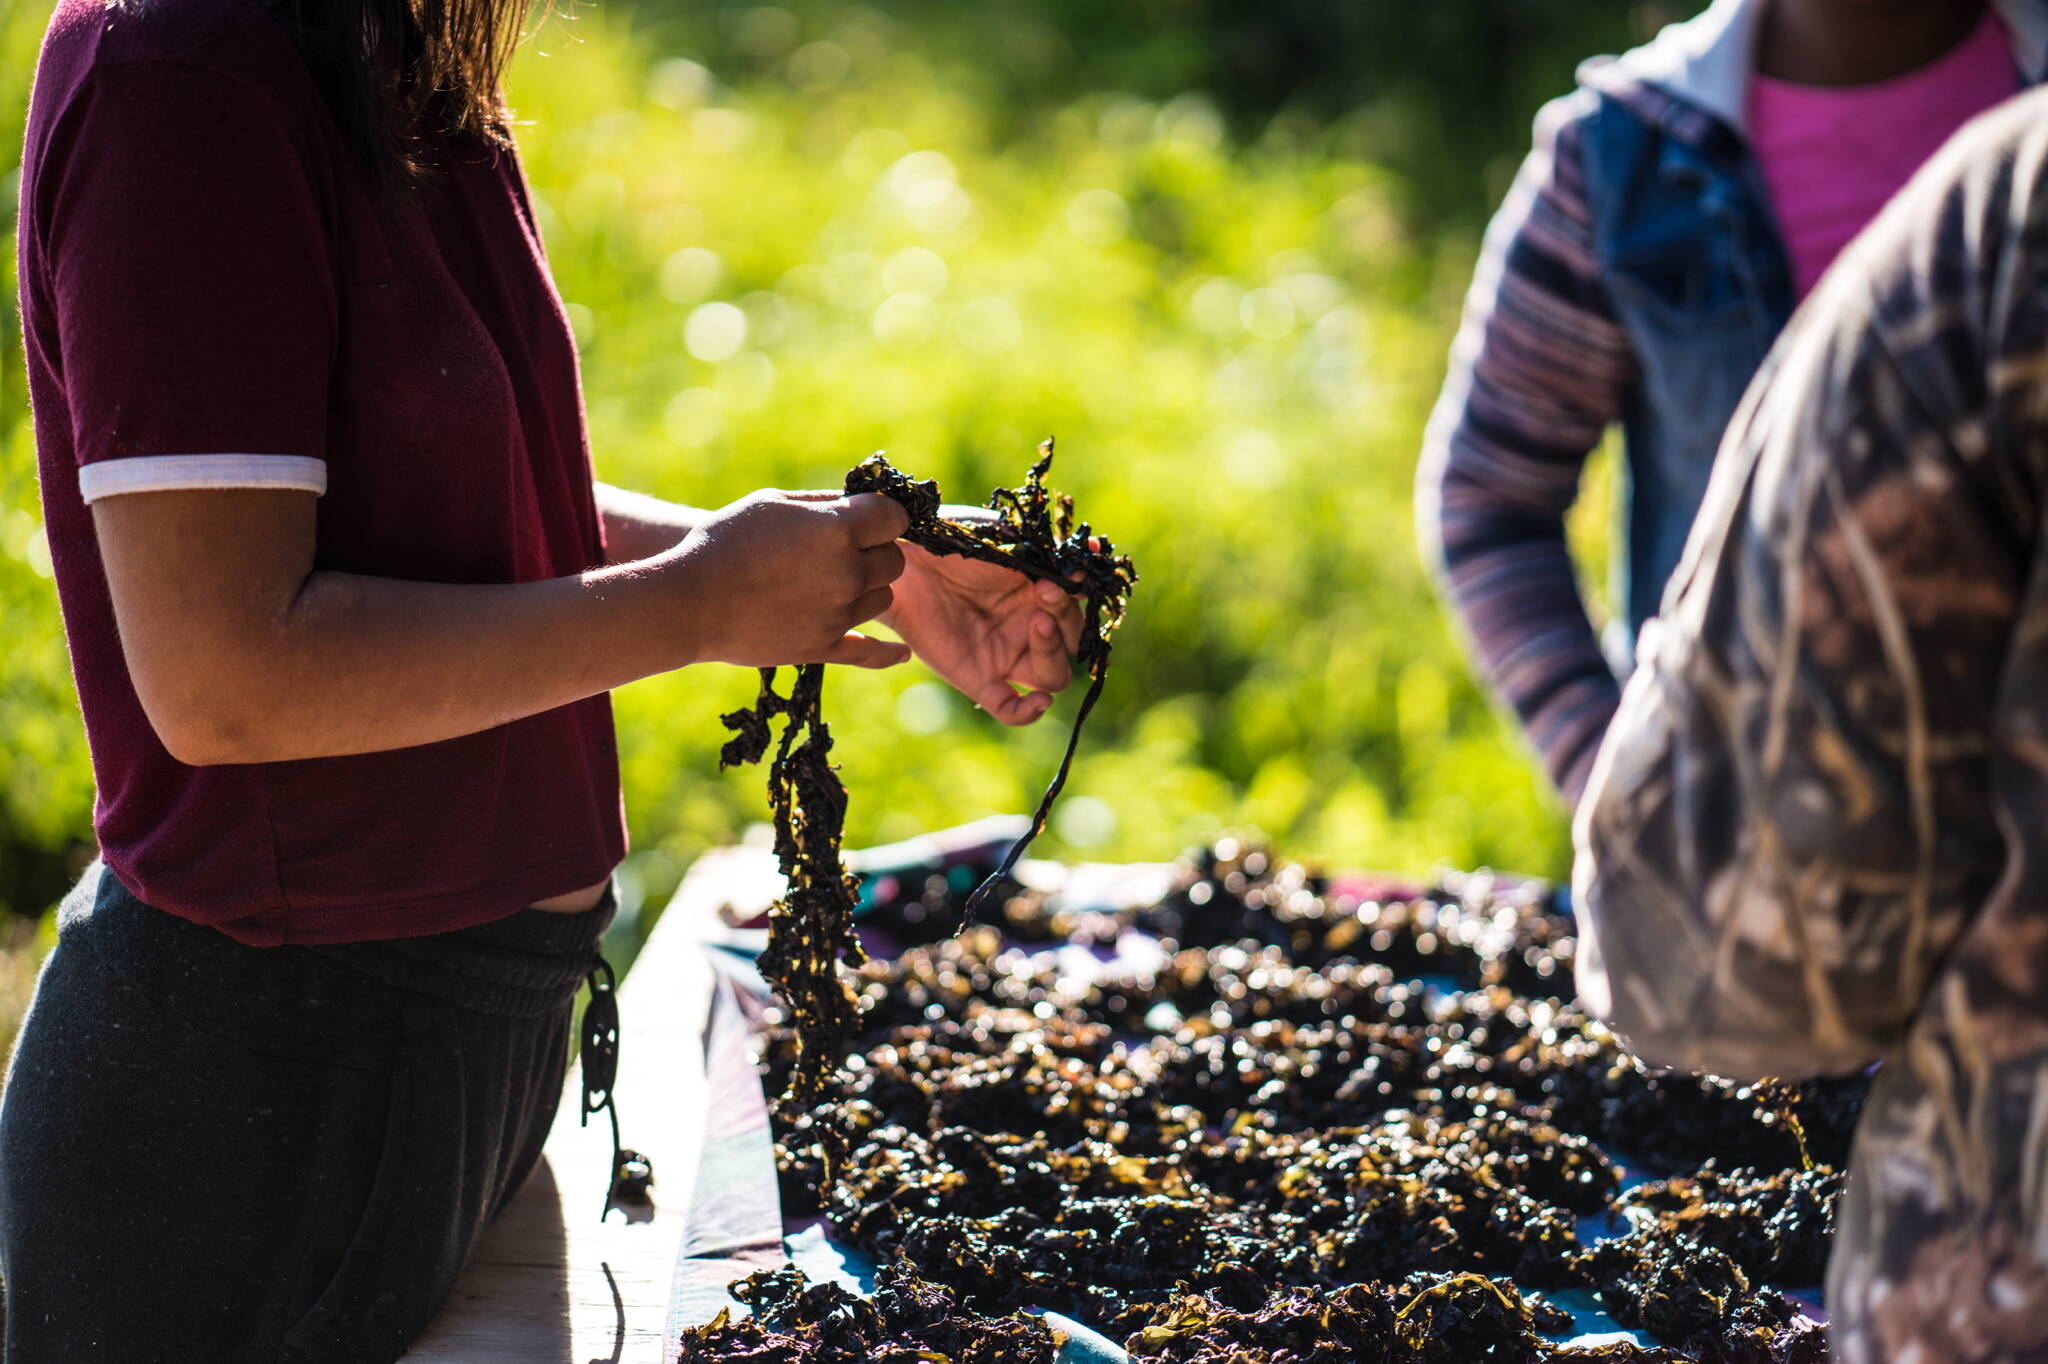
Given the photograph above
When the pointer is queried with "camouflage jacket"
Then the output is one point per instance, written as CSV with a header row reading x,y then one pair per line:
x,y
1817,835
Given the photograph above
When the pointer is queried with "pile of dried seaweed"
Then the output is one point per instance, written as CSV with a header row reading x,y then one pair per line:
x,y
811,931
1700,1247
906,1321
1317,1127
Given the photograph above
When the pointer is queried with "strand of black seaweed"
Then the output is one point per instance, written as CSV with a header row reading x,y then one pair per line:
x,y
1100,671
802,785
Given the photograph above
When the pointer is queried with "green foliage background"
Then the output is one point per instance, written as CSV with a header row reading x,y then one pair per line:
x,y
1216,248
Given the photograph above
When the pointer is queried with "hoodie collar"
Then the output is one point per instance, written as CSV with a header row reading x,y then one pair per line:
x,y
1705,61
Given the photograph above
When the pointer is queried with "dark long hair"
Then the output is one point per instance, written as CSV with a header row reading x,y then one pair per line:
x,y
396,71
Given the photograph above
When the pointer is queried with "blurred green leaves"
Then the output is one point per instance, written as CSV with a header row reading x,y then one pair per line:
x,y
1235,346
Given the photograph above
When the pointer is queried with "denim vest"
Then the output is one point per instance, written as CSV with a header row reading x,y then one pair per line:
x,y
1699,278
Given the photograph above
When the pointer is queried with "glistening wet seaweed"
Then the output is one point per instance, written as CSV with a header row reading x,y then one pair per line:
x,y
906,1321
1233,1153
810,930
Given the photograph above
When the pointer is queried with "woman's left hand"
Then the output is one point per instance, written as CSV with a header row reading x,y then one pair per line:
x,y
987,630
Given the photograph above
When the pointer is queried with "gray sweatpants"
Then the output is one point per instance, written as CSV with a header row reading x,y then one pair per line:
x,y
217,1153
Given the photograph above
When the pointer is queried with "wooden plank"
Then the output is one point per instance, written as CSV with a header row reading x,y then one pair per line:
x,y
551,1285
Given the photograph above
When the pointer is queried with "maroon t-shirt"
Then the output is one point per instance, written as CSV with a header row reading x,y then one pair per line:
x,y
214,296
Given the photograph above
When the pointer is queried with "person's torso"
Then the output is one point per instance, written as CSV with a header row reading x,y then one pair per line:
x,y
455,453
1832,156
1693,254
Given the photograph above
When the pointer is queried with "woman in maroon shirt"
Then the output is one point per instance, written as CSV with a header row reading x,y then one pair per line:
x,y
344,605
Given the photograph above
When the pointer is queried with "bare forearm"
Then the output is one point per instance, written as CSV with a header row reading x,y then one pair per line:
x,y
360,664
638,526
240,650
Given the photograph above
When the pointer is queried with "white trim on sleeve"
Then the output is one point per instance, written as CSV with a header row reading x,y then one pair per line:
x,y
167,473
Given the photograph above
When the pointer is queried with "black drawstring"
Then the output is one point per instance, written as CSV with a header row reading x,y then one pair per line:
x,y
632,1173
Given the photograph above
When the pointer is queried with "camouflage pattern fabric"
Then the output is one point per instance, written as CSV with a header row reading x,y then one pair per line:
x,y
1817,835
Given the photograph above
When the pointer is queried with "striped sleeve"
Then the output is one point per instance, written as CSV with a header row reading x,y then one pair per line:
x,y
1539,369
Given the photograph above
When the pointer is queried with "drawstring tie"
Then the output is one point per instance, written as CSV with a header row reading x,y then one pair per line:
x,y
632,1173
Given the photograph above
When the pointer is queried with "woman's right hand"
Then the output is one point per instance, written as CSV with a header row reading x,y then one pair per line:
x,y
782,577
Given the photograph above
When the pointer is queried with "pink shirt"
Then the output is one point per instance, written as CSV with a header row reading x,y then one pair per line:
x,y
1833,155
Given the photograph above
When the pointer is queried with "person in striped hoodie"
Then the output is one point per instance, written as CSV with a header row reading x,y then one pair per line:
x,y
1672,212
